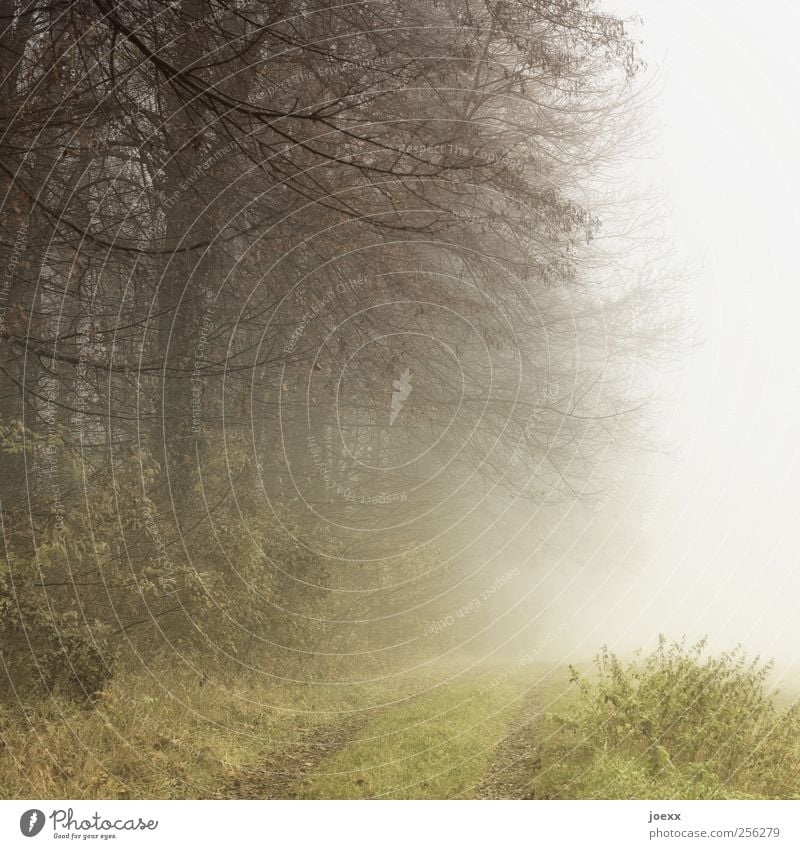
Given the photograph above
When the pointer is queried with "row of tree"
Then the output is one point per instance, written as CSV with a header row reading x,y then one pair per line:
x,y
291,292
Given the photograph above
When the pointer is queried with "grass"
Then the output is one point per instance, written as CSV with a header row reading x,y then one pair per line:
x,y
673,724
144,740
437,746
187,740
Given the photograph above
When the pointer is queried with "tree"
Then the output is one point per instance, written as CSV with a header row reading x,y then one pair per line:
x,y
241,227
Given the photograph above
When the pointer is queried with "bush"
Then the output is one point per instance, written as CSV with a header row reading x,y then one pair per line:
x,y
44,651
97,573
673,725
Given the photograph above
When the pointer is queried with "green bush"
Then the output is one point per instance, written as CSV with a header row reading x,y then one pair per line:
x,y
675,724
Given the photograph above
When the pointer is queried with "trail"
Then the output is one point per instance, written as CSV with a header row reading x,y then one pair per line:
x,y
282,776
516,760
289,772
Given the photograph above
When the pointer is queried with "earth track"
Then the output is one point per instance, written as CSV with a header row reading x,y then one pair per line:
x,y
282,776
516,760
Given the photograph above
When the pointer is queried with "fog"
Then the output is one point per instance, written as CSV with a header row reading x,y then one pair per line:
x,y
699,540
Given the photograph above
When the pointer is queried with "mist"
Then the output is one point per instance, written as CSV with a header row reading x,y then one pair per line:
x,y
697,538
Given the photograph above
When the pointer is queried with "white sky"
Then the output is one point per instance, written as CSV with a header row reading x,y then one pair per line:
x,y
724,557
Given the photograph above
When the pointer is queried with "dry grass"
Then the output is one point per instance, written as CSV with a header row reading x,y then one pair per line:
x,y
146,739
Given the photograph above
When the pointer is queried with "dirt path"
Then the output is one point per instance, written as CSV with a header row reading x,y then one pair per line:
x,y
516,760
287,773
281,776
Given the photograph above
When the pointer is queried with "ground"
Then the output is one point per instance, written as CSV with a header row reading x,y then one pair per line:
x,y
439,733
471,738
454,732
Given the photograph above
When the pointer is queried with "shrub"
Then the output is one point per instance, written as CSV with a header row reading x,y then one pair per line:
x,y
676,724
45,651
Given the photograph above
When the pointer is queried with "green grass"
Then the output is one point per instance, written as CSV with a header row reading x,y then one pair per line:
x,y
437,746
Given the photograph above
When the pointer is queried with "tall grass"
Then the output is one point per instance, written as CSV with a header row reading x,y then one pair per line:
x,y
674,724
158,734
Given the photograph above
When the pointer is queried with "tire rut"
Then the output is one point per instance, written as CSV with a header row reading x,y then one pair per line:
x,y
516,760
282,775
